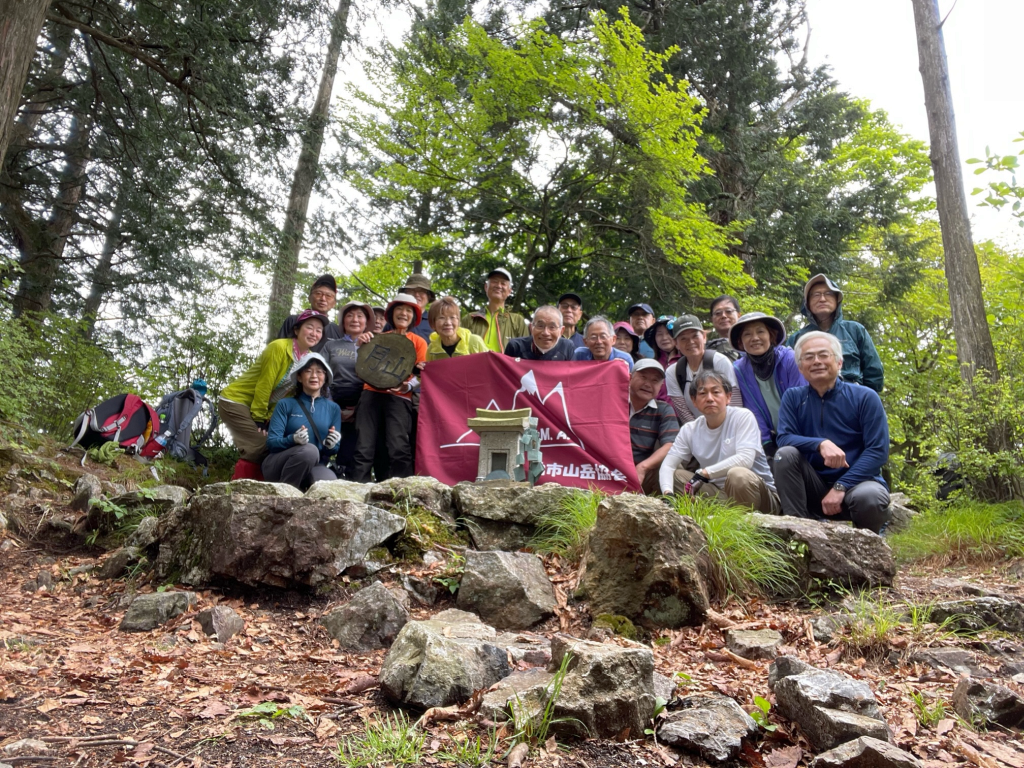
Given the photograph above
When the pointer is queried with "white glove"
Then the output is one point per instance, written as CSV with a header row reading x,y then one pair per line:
x,y
301,436
333,436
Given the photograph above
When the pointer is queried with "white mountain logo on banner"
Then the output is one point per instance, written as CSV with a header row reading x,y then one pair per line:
x,y
528,386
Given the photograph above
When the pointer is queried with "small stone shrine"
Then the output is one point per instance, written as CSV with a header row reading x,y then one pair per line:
x,y
509,445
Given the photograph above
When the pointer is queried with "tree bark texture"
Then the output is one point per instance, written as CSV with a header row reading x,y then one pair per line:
x,y
20,22
283,287
974,347
100,280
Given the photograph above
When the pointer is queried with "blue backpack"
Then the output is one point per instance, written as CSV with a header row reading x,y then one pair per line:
x,y
177,411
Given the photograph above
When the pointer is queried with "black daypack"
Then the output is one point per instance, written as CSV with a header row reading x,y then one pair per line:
x,y
177,412
707,364
123,419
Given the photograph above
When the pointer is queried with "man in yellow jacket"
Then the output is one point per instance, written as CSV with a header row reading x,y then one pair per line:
x,y
496,325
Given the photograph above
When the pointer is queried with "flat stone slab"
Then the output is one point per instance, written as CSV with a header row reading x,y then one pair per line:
x,y
150,611
712,725
753,643
251,488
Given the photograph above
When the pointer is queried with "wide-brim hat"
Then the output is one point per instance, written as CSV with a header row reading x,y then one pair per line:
x,y
419,281
649,333
303,362
822,278
403,298
684,323
774,325
311,314
366,309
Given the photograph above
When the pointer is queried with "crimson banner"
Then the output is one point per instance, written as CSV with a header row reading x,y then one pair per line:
x,y
582,410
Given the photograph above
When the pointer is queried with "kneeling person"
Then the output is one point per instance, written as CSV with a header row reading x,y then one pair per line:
x,y
726,444
833,440
305,429
652,423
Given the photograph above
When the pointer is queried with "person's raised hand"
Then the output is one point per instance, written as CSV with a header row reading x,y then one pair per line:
x,y
333,436
301,436
363,338
834,456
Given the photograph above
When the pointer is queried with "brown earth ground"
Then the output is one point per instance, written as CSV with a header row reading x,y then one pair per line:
x,y
172,697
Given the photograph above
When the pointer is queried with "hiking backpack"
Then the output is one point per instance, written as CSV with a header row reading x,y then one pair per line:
x,y
176,413
707,364
123,419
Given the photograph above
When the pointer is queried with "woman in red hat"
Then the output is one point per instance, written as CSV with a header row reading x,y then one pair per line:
x,y
392,406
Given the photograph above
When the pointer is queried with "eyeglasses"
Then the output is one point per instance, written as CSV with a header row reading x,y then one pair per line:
x,y
810,357
598,337
821,294
546,327
323,294
565,305
724,312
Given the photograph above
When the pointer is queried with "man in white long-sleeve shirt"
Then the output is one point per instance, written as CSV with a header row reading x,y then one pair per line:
x,y
726,443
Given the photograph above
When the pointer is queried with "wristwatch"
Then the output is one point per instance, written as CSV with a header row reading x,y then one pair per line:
x,y
702,476
839,487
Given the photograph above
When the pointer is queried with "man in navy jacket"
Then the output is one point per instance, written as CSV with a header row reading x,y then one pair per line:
x,y
833,439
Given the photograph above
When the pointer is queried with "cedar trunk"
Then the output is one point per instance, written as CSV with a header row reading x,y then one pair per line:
x,y
20,22
283,287
974,348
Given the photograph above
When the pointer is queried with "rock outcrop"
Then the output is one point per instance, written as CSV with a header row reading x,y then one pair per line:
x,y
270,540
647,563
424,492
503,515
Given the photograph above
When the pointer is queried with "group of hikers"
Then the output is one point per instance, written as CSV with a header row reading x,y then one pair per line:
x,y
791,425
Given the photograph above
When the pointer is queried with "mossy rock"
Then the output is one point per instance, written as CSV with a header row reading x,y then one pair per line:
x,y
423,530
620,625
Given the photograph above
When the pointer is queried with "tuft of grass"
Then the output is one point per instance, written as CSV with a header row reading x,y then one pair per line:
x,y
875,620
471,753
393,740
564,528
423,530
745,558
533,727
928,715
966,531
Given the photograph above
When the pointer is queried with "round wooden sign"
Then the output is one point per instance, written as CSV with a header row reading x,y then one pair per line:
x,y
386,360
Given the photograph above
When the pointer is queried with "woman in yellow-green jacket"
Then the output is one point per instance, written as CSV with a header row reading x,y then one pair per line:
x,y
245,405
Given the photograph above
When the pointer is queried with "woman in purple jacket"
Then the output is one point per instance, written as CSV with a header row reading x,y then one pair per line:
x,y
766,370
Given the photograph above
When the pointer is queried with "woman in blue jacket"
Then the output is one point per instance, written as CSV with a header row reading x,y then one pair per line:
x,y
305,429
766,370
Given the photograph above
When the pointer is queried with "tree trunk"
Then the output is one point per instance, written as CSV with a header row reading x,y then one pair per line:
x,y
101,272
40,258
974,348
20,22
283,287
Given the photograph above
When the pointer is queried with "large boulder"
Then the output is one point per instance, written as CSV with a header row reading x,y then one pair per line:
x,y
509,590
831,708
980,703
607,690
371,619
647,563
710,724
826,551
504,515
442,661
150,611
340,490
155,501
400,493
270,540
866,752
978,613
251,488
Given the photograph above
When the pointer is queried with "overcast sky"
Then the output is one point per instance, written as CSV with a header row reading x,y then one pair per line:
x,y
872,49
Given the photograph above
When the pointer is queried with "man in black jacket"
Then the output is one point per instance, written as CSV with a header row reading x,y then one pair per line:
x,y
545,341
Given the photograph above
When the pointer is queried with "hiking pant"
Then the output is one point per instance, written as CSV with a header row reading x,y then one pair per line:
x,y
395,413
802,489
299,466
250,442
742,486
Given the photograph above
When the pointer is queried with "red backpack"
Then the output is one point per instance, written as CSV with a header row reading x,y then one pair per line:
x,y
123,419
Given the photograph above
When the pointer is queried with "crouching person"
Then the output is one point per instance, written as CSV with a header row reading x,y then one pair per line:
x,y
652,423
725,442
305,429
833,440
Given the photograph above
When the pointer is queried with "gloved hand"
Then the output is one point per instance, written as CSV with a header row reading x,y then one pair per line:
x,y
333,436
301,436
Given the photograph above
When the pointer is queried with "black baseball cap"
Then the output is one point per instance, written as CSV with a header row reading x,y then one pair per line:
x,y
574,296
